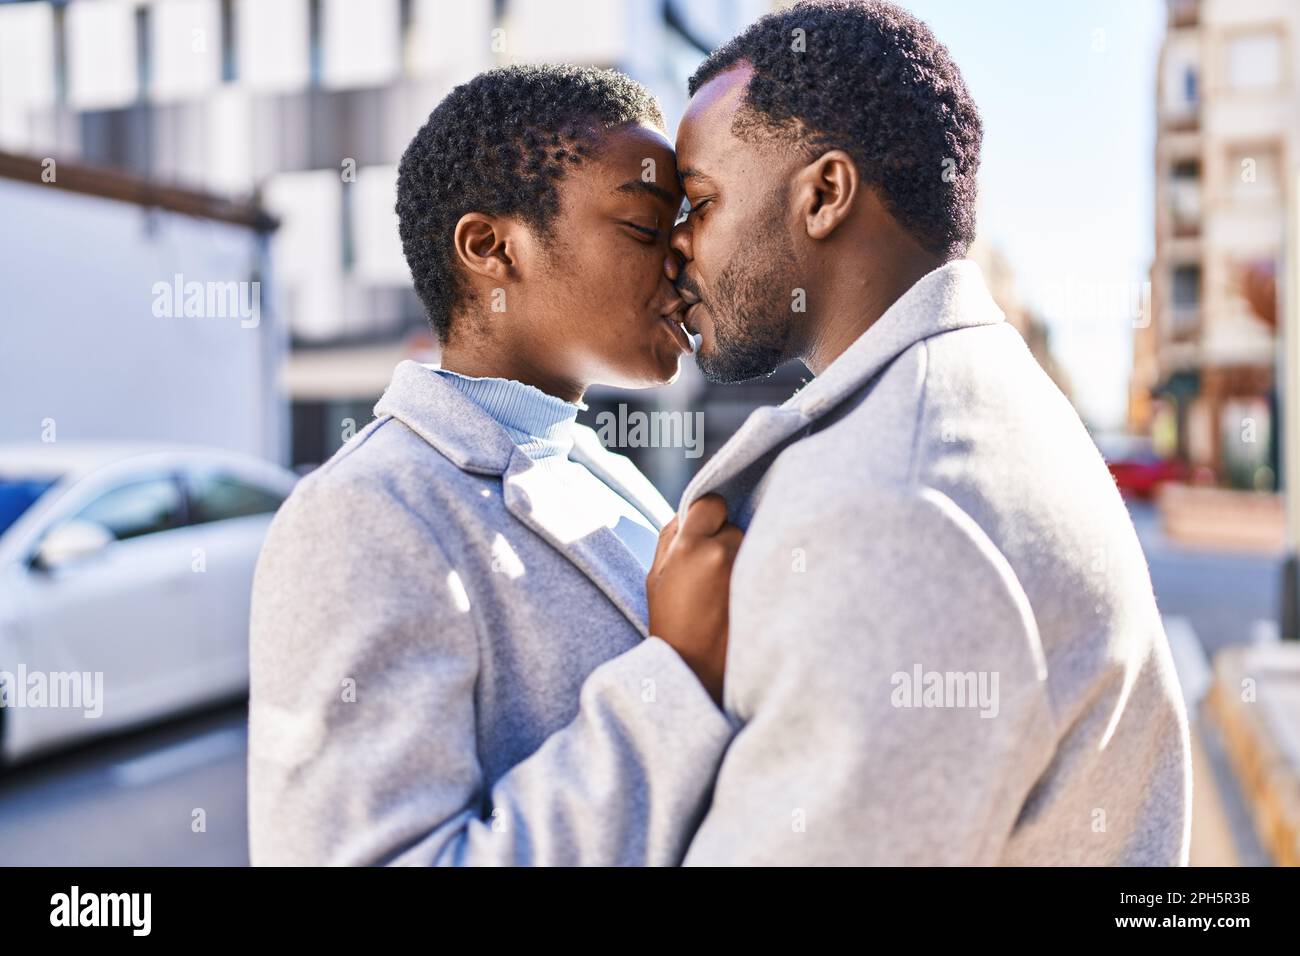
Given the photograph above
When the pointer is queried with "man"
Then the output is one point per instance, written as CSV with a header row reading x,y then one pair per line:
x,y
944,647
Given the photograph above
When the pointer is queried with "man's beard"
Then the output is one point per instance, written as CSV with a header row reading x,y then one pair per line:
x,y
753,322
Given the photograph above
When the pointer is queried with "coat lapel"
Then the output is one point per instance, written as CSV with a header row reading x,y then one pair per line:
x,y
474,442
951,297
542,503
621,475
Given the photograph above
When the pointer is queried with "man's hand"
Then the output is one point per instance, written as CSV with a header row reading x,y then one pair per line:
x,y
689,586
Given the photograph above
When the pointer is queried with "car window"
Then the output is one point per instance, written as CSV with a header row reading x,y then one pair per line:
x,y
138,508
216,497
17,495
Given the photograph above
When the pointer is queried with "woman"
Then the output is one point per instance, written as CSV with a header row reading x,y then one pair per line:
x,y
451,661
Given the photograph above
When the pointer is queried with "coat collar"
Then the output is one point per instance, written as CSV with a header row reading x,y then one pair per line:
x,y
952,296
446,419
473,441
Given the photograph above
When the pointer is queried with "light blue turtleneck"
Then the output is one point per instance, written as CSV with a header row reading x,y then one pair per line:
x,y
542,426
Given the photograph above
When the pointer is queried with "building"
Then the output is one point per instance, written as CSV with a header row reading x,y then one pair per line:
x,y
1227,131
1001,280
307,106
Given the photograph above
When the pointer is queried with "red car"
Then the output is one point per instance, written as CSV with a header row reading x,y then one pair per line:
x,y
1136,467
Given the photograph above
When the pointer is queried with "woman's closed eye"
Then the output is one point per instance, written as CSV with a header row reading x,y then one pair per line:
x,y
643,233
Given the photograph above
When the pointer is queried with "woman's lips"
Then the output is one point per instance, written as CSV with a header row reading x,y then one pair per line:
x,y
679,334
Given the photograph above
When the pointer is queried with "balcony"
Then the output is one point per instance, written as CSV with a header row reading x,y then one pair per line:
x,y
1184,13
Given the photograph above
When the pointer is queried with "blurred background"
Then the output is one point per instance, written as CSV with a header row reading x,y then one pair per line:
x,y
202,295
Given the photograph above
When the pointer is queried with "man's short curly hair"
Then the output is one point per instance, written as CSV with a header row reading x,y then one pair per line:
x,y
500,144
870,79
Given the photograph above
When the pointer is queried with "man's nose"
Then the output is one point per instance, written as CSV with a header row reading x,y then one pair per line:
x,y
681,240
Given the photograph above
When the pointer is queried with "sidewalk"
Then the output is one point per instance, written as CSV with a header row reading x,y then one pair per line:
x,y
1253,703
1222,519
1223,832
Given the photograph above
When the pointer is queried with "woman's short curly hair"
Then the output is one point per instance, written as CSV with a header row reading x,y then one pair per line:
x,y
500,144
869,78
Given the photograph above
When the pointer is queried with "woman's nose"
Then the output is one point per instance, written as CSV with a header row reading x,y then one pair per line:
x,y
672,267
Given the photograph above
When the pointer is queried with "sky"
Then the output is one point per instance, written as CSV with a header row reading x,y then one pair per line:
x,y
1067,94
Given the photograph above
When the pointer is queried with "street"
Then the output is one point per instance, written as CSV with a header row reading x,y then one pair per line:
x,y
1227,598
136,800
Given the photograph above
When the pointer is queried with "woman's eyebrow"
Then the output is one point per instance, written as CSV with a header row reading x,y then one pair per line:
x,y
653,189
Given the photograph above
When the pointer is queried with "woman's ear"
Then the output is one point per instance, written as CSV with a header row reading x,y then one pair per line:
x,y
830,185
485,246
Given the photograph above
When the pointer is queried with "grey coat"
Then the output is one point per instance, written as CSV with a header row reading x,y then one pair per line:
x,y
445,671
944,644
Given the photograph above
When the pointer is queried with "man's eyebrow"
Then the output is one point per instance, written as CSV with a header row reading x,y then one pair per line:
x,y
690,173
654,189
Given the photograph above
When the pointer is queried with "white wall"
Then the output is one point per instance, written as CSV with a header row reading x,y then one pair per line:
x,y
26,73
80,343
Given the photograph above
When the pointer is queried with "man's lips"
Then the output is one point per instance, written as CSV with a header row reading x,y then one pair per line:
x,y
688,318
689,298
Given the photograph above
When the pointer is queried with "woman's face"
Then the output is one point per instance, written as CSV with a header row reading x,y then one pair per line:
x,y
612,315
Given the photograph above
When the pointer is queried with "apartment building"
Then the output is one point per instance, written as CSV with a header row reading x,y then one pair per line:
x,y
1227,135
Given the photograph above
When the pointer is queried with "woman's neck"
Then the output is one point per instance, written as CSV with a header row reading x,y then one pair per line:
x,y
480,361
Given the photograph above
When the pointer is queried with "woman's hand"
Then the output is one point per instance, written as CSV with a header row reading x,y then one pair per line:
x,y
689,585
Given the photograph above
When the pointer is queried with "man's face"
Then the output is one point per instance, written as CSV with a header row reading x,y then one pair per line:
x,y
740,266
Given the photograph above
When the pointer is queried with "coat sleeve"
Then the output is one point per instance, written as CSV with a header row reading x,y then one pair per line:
x,y
886,671
363,738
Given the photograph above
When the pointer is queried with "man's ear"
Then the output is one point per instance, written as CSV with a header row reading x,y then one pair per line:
x,y
486,246
828,187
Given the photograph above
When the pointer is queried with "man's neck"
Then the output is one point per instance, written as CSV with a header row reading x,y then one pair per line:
x,y
854,303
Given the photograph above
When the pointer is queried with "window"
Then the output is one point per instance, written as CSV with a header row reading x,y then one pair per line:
x,y
17,495
379,257
1253,61
216,497
27,69
359,42
186,41
101,45
1185,195
1187,287
1186,299
272,44
136,509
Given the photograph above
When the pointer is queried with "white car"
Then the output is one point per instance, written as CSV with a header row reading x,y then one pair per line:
x,y
125,575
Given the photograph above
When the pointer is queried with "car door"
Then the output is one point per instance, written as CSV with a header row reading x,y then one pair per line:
x,y
229,514
126,613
